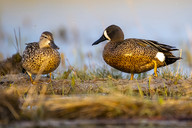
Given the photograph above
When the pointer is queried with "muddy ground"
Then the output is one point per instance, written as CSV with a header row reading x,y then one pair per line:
x,y
68,86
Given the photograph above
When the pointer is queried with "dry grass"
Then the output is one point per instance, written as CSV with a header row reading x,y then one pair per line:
x,y
9,105
113,106
98,98
11,65
37,105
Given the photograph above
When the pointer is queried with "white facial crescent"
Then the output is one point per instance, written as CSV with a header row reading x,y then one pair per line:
x,y
105,34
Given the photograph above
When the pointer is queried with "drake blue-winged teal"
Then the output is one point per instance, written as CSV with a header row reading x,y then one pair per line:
x,y
134,55
41,57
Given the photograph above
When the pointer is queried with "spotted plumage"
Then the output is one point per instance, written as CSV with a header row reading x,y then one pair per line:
x,y
134,55
41,57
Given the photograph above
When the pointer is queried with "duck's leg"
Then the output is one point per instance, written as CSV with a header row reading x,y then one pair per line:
x,y
155,67
31,78
132,75
30,75
50,77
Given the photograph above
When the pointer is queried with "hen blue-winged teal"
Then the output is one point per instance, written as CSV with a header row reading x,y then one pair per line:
x,y
41,57
134,55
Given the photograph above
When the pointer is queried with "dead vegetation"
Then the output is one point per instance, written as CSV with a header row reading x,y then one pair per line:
x,y
9,106
97,98
11,65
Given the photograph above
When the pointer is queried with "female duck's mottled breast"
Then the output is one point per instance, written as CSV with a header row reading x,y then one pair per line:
x,y
49,58
36,59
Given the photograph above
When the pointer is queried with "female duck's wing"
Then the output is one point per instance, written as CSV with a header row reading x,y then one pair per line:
x,y
32,46
30,49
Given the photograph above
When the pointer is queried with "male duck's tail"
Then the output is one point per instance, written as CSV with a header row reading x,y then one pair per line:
x,y
170,58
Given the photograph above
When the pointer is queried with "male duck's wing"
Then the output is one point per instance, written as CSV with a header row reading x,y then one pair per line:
x,y
155,44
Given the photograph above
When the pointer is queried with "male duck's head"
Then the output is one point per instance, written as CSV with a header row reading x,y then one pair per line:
x,y
111,33
46,40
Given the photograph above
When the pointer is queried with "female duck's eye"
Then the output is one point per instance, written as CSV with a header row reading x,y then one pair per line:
x,y
44,36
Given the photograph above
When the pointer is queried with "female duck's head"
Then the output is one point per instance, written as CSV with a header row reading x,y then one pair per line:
x,y
46,40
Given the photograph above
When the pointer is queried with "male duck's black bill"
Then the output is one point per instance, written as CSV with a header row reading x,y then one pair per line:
x,y
102,38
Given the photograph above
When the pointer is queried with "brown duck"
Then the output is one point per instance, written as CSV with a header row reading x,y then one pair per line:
x,y
134,55
41,57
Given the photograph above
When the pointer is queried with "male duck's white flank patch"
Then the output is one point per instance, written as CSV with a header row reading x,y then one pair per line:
x,y
160,56
105,34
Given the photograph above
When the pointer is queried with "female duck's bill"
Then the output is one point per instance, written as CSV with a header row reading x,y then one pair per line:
x,y
54,46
